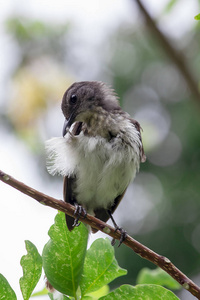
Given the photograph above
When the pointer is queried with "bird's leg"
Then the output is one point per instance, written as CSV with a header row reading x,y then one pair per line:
x,y
70,133
78,211
122,231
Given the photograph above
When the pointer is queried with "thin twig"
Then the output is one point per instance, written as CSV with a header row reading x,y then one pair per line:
x,y
161,261
176,56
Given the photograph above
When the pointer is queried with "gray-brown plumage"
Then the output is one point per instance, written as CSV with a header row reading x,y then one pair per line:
x,y
102,146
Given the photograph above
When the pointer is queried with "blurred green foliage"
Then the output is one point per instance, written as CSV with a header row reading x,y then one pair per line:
x,y
177,231
197,17
35,37
152,90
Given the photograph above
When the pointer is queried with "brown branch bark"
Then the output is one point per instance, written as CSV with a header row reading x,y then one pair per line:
x,y
159,260
176,56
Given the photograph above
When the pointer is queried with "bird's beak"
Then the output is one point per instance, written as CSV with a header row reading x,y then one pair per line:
x,y
67,124
65,127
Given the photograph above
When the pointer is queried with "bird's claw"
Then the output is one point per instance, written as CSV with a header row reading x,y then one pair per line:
x,y
78,211
122,237
70,133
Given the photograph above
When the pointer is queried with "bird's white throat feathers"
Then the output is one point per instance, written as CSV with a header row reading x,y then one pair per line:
x,y
103,169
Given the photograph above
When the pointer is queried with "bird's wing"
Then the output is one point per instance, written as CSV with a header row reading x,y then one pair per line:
x,y
103,214
68,182
138,127
67,194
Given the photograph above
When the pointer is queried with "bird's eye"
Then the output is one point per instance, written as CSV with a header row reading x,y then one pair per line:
x,y
73,99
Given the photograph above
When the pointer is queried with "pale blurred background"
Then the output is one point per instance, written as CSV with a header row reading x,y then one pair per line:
x,y
46,46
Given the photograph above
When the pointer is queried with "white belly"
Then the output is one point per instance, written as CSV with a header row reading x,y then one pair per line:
x,y
104,170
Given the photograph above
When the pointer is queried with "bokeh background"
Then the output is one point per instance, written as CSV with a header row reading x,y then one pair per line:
x,y
46,46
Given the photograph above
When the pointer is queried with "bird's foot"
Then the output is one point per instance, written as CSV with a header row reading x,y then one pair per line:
x,y
78,211
70,133
122,231
122,237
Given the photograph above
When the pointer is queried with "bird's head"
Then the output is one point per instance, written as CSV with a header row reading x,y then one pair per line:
x,y
82,99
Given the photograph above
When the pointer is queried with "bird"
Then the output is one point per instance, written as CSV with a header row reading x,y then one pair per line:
x,y
99,152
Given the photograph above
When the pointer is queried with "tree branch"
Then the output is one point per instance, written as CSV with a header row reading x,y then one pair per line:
x,y
159,260
175,55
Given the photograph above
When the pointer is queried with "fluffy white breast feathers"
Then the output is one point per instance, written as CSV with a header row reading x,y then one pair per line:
x,y
64,155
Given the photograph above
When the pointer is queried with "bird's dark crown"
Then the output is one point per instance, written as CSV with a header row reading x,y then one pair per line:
x,y
85,96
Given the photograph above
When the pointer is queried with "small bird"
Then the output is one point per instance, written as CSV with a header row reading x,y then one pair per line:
x,y
99,153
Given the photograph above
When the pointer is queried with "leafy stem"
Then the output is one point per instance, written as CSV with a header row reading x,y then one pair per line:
x,y
159,260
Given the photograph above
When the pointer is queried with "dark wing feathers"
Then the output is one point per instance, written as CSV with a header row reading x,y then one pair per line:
x,y
67,193
138,127
102,213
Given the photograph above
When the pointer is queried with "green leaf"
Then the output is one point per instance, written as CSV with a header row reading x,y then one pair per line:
x,y
43,292
157,276
32,270
99,293
63,255
170,5
138,292
100,267
197,17
60,297
6,292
